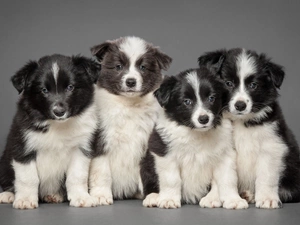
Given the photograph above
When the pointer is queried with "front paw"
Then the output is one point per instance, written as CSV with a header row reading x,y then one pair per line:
x,y
268,203
7,197
84,200
104,197
26,203
236,203
151,200
55,198
208,202
169,203
248,196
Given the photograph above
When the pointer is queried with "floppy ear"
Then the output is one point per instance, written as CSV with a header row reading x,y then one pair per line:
x,y
275,71
91,67
165,90
20,78
100,50
213,60
163,60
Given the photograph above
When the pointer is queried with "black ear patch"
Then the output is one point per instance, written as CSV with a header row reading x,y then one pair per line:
x,y
163,60
276,73
100,50
91,67
163,94
20,78
213,60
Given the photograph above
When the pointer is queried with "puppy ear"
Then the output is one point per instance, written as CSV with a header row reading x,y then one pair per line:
x,y
163,94
19,80
275,71
91,67
163,60
100,50
213,60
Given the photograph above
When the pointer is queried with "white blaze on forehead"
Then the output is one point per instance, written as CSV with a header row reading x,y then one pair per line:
x,y
55,70
245,65
193,80
133,47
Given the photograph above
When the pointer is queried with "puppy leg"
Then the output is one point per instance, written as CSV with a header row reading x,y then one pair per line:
x,y
26,185
100,180
226,178
7,197
212,199
151,200
77,181
169,183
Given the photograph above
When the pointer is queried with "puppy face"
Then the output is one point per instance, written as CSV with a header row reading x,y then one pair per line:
x,y
250,78
56,87
194,98
130,66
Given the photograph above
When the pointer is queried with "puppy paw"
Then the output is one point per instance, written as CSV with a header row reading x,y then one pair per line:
x,y
83,201
55,198
7,197
248,196
268,203
237,203
25,203
208,202
169,204
104,197
151,200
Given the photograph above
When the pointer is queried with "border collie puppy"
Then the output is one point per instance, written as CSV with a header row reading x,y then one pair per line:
x,y
190,149
48,150
130,72
268,161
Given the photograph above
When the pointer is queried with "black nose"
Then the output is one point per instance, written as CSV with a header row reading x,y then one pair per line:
x,y
59,111
131,82
203,119
240,105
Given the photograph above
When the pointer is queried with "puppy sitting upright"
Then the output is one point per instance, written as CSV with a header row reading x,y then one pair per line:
x,y
268,159
130,72
48,149
190,148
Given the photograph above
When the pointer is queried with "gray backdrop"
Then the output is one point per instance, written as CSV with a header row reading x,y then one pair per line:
x,y
184,30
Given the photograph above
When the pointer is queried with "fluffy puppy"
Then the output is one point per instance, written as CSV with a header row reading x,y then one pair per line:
x,y
268,161
48,149
130,72
190,149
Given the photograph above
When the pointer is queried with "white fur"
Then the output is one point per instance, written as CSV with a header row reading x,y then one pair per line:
x,y
259,163
193,161
58,152
55,71
126,126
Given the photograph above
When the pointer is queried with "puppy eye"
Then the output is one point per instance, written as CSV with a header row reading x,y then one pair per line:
x,y
70,87
45,90
119,67
142,68
229,84
253,85
211,99
187,101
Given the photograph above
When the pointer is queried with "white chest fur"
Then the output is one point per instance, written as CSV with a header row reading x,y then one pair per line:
x,y
196,154
56,146
126,126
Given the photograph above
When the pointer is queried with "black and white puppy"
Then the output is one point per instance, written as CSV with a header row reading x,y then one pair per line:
x,y
48,150
190,149
130,72
268,161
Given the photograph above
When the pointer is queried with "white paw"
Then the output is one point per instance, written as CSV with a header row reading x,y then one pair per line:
x,y
104,197
208,202
7,197
268,203
169,203
151,200
237,203
56,198
83,201
248,196
26,203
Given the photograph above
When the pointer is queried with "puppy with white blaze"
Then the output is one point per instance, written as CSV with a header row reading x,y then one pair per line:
x,y
130,72
49,147
190,157
268,159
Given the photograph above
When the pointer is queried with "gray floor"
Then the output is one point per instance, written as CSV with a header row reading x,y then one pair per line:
x,y
131,212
